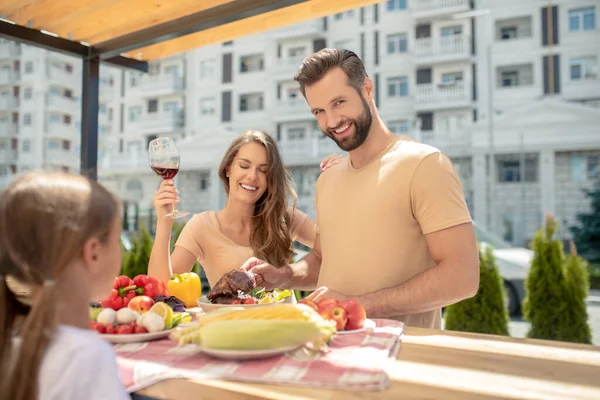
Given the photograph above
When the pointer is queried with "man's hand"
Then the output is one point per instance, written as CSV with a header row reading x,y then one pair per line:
x,y
266,275
324,293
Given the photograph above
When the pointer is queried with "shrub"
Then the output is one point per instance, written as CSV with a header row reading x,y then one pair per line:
x,y
486,312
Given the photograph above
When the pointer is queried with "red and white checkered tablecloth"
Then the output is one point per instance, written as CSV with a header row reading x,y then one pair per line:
x,y
355,361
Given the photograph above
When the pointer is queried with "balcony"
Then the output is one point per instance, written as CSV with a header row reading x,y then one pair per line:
x,y
62,131
443,49
423,9
62,104
157,85
158,122
291,109
61,157
9,50
8,77
62,77
308,151
309,29
288,67
9,103
9,129
125,161
451,143
8,156
437,96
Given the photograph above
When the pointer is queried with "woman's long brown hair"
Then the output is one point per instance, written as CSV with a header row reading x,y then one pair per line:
x,y
45,219
270,236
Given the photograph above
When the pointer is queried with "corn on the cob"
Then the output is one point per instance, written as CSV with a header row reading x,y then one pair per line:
x,y
258,334
282,311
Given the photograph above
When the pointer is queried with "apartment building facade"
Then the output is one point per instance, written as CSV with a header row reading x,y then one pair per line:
x,y
438,67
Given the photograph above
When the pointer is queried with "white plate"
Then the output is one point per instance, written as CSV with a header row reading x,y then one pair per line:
x,y
246,354
207,306
369,324
136,337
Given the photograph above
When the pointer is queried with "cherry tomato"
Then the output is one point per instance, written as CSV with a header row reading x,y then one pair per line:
x,y
139,329
249,300
110,329
124,329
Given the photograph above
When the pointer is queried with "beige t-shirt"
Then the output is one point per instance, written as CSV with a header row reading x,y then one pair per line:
x,y
372,221
218,254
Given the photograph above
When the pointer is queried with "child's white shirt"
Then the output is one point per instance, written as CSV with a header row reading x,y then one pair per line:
x,y
78,364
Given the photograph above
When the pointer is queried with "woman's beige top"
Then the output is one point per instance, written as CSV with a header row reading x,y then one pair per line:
x,y
218,254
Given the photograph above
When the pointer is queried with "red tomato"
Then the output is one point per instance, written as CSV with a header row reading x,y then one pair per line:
x,y
139,329
100,328
249,300
125,329
110,329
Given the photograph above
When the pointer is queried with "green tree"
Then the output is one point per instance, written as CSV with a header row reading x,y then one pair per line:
x,y
578,330
136,261
485,312
556,288
587,233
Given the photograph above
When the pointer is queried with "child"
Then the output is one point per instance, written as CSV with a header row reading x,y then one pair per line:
x,y
59,249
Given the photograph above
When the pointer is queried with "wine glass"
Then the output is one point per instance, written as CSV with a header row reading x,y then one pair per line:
x,y
164,160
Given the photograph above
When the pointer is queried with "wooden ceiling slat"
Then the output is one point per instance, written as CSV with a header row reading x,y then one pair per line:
x,y
264,22
41,12
9,6
108,27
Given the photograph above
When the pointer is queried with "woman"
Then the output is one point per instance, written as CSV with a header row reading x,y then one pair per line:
x,y
59,249
256,221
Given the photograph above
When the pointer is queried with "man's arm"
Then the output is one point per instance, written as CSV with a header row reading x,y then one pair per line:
x,y
304,274
454,277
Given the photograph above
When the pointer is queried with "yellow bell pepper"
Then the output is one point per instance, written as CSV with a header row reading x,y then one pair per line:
x,y
186,287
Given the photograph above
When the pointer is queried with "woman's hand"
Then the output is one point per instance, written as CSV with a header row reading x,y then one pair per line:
x,y
330,161
165,198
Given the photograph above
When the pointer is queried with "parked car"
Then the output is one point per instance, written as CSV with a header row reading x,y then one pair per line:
x,y
513,265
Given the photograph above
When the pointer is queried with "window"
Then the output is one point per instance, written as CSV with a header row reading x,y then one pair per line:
x,y
152,106
296,133
342,44
68,68
399,127
582,19
26,146
583,68
451,30
397,43
172,70
134,113
508,33
510,78
28,67
67,119
207,106
207,68
251,102
398,86
27,93
170,106
452,77
27,119
593,166
296,52
396,5
252,63
53,144
510,169
514,76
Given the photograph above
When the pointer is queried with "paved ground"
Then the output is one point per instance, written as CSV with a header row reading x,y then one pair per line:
x,y
518,327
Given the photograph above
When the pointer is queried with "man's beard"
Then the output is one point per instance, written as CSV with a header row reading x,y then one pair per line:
x,y
362,126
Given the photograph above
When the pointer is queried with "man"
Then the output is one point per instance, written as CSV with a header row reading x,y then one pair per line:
x,y
394,231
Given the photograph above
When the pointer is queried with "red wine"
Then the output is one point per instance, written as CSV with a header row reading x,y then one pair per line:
x,y
165,172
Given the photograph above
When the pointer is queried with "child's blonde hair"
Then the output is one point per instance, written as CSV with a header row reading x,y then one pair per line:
x,y
45,220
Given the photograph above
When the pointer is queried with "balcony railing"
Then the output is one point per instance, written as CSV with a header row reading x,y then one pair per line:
x,y
310,149
159,122
8,155
63,77
443,46
62,131
9,50
293,107
157,85
288,65
9,128
437,5
9,102
310,28
445,141
8,77
443,95
123,161
61,157
63,104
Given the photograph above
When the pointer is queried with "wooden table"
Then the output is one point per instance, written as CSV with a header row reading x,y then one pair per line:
x,y
434,364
